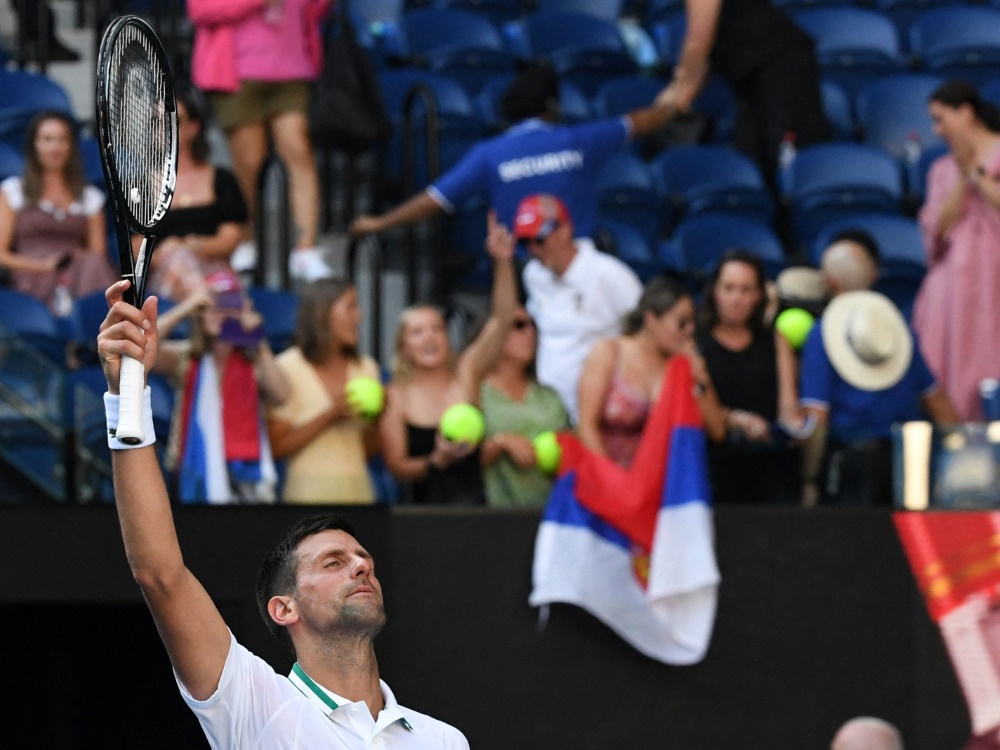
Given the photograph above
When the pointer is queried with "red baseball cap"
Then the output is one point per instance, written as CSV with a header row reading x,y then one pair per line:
x,y
538,215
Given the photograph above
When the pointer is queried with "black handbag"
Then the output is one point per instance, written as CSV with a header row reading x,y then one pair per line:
x,y
346,111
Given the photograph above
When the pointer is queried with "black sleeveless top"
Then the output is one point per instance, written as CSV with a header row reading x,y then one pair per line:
x,y
751,33
744,472
459,484
746,379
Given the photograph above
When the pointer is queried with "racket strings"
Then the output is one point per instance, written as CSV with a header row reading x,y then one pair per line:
x,y
140,127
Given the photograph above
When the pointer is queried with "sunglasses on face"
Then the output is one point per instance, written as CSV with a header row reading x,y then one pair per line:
x,y
520,325
542,235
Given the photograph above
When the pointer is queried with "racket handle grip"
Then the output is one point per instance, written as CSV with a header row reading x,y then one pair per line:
x,y
130,387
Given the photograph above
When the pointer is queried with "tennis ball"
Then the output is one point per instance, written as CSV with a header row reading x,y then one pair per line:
x,y
794,324
366,396
548,452
463,423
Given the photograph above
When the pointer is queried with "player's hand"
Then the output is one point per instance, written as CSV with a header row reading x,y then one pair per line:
x,y
520,450
126,331
363,225
500,243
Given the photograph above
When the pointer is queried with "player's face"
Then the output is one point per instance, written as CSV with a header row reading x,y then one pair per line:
x,y
673,329
53,144
425,340
736,293
336,585
345,316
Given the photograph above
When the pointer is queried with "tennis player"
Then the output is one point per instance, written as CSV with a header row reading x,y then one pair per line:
x,y
317,591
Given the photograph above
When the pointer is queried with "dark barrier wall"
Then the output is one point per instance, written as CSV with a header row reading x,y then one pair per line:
x,y
819,620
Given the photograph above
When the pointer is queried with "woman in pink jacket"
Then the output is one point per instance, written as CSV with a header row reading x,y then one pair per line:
x,y
257,59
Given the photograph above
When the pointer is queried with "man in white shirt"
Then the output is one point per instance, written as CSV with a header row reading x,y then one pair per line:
x,y
317,591
576,294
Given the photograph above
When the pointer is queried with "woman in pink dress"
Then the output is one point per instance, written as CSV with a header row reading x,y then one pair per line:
x,y
957,311
621,377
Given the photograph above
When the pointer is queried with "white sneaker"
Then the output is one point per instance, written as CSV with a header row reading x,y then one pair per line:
x,y
307,264
244,257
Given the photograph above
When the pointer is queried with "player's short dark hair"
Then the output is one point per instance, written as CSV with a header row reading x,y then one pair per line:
x,y
533,93
276,576
861,238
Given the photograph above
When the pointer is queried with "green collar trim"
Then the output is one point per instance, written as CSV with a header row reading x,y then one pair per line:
x,y
316,689
320,693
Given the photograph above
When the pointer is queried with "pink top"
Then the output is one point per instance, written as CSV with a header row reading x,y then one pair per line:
x,y
957,311
623,418
238,40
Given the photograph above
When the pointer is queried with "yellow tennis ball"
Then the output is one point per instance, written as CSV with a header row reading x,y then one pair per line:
x,y
463,423
795,324
366,396
548,452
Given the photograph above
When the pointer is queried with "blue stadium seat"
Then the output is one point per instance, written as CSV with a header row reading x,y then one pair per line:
x,y
460,44
498,11
853,46
892,109
573,104
828,180
794,6
916,173
700,241
22,96
990,91
459,126
629,245
583,49
668,36
279,309
609,10
710,179
29,318
661,10
959,42
11,161
904,12
837,108
622,95
628,194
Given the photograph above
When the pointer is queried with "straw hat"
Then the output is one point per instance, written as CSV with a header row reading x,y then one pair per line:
x,y
867,340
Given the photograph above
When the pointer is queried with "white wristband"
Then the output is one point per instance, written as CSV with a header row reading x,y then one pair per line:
x,y
111,411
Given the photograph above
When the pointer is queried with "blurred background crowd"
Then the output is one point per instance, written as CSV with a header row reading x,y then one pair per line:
x,y
385,209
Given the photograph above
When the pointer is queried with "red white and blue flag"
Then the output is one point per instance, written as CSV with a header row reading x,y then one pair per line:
x,y
635,547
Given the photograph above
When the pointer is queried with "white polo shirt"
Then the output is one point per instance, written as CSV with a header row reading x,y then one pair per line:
x,y
573,311
255,708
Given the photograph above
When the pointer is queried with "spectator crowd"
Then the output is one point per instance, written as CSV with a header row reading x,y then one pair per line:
x,y
573,338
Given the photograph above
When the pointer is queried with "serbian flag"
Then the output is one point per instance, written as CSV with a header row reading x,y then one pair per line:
x,y
635,547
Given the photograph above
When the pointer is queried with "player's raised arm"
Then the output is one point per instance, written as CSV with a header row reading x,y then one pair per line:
x,y
190,626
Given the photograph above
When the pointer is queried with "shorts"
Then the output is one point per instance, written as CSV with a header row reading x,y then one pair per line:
x,y
260,101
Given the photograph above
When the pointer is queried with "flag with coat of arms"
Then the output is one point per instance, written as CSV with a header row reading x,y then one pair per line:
x,y
635,547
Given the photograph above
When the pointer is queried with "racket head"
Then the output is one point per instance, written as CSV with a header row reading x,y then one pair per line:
x,y
137,128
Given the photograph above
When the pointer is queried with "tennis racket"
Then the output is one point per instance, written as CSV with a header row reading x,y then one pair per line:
x,y
137,132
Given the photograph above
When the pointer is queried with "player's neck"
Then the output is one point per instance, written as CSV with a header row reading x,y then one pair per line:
x,y
348,669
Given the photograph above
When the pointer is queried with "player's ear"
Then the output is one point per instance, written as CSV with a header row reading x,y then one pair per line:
x,y
283,610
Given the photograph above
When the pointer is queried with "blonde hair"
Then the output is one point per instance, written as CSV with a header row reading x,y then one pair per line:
x,y
402,368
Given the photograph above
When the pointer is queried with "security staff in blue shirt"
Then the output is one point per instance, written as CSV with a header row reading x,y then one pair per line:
x,y
535,155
